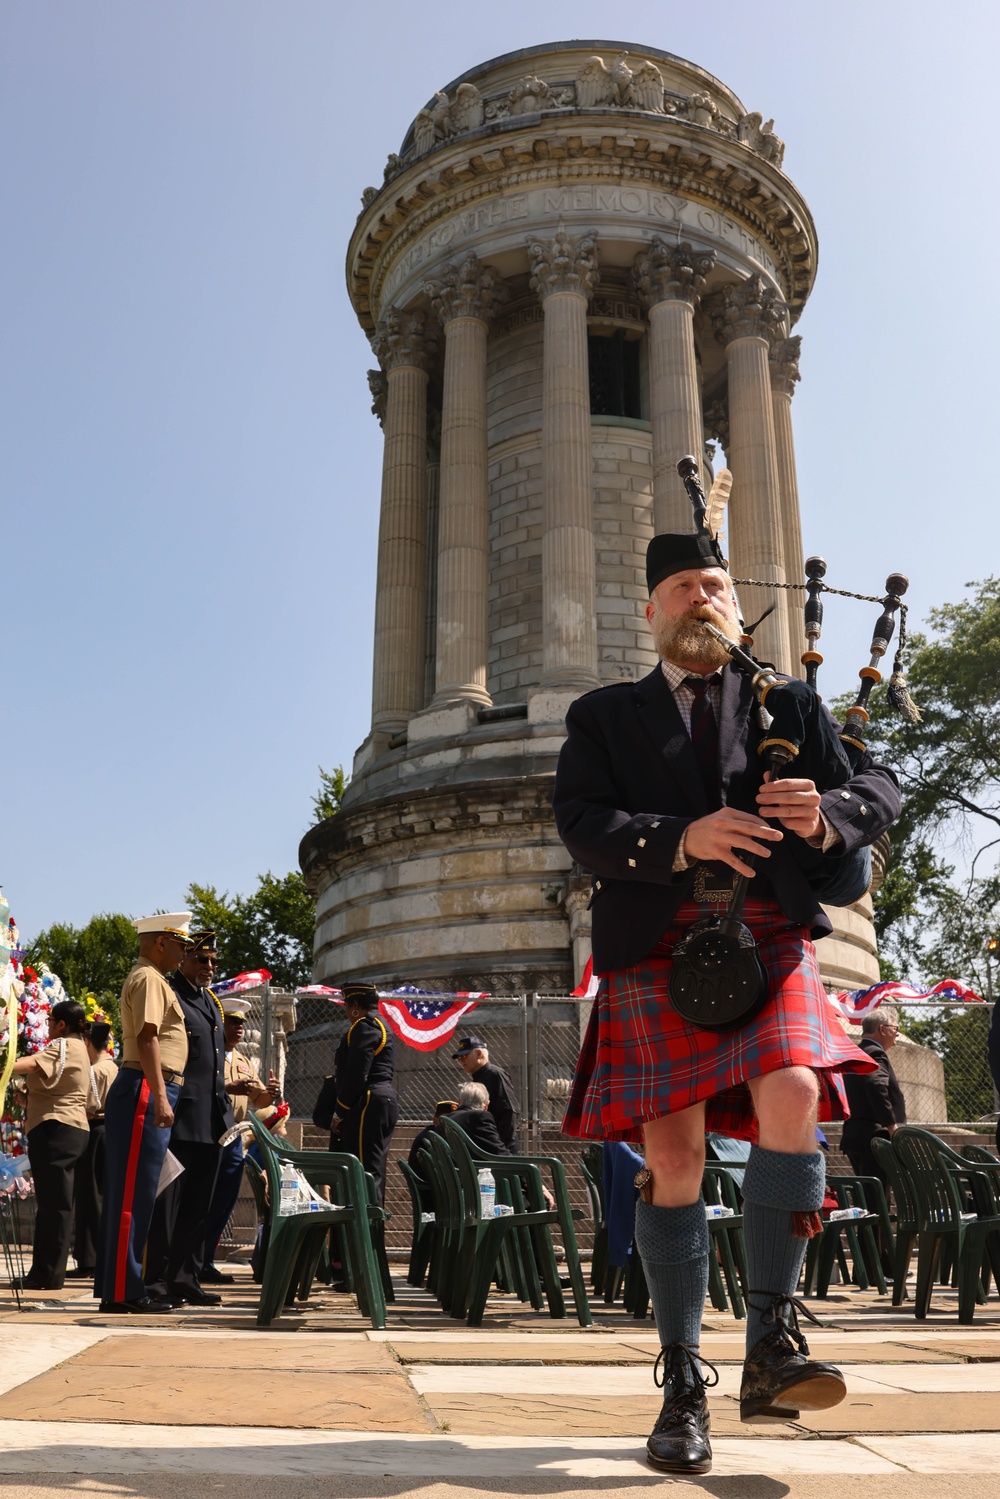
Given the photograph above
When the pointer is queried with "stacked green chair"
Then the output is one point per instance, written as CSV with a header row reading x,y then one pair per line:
x,y
943,1219
529,1227
423,1230
907,1223
984,1186
449,1219
592,1170
727,1257
295,1243
826,1249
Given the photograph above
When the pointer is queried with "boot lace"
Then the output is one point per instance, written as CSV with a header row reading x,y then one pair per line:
x,y
680,1372
781,1313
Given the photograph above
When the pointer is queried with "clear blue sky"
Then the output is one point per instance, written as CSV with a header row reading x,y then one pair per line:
x,y
190,471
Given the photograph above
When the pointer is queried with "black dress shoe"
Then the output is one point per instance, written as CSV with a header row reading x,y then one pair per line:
x,y
195,1296
679,1441
779,1377
25,1283
212,1277
142,1306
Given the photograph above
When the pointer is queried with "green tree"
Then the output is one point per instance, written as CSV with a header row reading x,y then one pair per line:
x,y
332,785
271,928
928,923
91,959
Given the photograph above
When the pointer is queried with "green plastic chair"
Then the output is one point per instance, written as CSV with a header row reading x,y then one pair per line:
x,y
594,1182
727,1259
296,1243
907,1222
423,1229
942,1218
859,1233
529,1226
449,1219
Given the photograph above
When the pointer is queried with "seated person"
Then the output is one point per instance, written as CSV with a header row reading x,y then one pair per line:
x,y
442,1107
473,1116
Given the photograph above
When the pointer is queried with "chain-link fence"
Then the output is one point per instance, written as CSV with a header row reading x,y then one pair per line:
x,y
942,1064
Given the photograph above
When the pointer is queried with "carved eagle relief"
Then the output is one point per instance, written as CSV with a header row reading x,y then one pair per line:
x,y
619,85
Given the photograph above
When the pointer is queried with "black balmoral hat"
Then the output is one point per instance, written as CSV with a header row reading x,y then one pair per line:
x,y
672,553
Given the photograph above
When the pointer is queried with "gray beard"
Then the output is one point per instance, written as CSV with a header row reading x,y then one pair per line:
x,y
685,643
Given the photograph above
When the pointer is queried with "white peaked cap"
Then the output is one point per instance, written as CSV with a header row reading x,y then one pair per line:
x,y
235,1004
177,923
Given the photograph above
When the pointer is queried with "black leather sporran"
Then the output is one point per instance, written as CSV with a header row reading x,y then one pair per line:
x,y
717,980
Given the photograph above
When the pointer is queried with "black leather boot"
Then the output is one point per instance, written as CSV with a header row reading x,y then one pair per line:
x,y
679,1441
779,1377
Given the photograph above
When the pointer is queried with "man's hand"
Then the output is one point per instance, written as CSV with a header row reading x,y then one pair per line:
x,y
163,1114
238,1089
720,834
795,804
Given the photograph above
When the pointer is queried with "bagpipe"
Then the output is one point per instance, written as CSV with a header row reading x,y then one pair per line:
x,y
717,980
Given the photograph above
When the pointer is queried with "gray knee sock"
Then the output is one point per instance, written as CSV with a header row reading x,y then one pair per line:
x,y
775,1186
673,1246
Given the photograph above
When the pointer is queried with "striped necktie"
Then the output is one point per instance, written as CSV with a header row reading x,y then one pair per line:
x,y
705,738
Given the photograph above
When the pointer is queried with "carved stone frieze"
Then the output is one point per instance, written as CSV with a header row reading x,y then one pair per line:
x,y
467,288
761,138
404,338
379,387
447,117
671,273
784,364
746,309
563,263
702,109
620,85
716,418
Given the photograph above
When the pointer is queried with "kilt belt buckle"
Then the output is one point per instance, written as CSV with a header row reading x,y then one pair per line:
x,y
713,886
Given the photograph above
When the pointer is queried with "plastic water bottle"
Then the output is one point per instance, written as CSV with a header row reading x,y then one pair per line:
x,y
846,1215
289,1203
715,1210
487,1193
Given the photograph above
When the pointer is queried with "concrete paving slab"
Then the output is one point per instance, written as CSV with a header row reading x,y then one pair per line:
x,y
108,1450
594,1380
970,1452
265,1352
574,1415
525,1351
895,1414
173,1398
23,1358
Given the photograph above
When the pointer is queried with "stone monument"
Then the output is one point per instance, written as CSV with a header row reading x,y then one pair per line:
x,y
584,262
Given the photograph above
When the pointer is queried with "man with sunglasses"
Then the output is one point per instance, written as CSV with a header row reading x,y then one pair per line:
x,y
202,1114
875,1098
139,1113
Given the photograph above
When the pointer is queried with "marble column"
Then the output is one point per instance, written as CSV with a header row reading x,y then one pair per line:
x,y
746,316
403,348
465,297
669,279
784,364
564,272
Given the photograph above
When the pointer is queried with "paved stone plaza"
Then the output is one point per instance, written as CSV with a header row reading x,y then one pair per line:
x,y
207,1404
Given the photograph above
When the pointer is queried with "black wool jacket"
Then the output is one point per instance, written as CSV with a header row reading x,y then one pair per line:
x,y
628,784
204,1110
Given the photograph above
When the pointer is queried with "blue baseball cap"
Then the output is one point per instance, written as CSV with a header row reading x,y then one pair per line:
x,y
467,1044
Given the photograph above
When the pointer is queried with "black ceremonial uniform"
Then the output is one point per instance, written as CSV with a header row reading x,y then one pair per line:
x,y
203,1112
877,1103
362,1095
504,1104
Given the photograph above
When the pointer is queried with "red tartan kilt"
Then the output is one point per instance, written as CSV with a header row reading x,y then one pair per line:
x,y
640,1060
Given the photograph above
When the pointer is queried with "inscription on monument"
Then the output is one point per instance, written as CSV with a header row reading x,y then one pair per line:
x,y
638,203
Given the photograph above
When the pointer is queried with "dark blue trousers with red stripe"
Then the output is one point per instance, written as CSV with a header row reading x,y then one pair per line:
x,y
134,1150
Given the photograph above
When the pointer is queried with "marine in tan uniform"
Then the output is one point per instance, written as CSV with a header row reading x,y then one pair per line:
x,y
139,1112
57,1079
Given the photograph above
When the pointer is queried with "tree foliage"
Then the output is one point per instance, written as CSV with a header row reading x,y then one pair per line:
x,y
332,785
271,928
92,959
929,922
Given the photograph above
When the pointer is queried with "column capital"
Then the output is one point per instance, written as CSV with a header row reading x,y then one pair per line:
x,y
671,273
403,338
467,288
783,361
746,309
563,263
379,387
